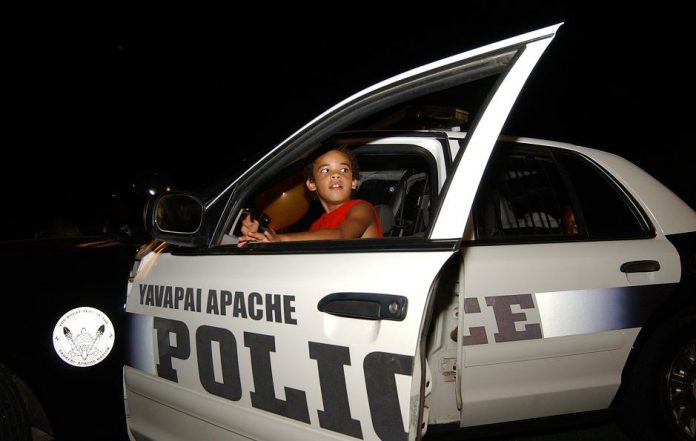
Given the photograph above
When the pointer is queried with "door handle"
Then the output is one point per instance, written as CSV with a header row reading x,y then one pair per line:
x,y
364,305
640,266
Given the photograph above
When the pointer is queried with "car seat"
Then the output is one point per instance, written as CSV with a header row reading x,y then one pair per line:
x,y
386,218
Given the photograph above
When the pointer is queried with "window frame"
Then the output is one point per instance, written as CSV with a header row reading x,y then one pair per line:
x,y
244,192
647,229
555,155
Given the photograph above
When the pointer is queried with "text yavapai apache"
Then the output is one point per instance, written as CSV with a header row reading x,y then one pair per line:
x,y
253,305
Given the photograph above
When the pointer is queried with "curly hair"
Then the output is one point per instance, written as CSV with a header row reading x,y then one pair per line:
x,y
308,171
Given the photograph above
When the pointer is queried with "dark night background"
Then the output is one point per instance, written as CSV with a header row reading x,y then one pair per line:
x,y
95,102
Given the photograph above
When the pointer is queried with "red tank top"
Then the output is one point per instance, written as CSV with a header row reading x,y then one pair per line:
x,y
336,217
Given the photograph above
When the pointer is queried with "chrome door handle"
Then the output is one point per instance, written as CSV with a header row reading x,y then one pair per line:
x,y
364,305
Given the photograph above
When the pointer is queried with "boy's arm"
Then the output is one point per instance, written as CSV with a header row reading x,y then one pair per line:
x,y
358,219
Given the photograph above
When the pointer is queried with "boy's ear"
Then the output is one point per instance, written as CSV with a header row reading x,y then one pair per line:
x,y
354,184
311,186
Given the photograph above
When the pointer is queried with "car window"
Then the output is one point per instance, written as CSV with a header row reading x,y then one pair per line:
x,y
521,195
400,186
529,193
607,210
399,180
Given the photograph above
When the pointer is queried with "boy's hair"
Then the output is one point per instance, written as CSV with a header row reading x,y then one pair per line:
x,y
354,167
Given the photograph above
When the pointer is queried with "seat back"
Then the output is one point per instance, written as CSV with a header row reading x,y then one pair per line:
x,y
403,205
386,218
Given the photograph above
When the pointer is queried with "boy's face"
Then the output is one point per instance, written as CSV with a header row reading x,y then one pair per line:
x,y
333,178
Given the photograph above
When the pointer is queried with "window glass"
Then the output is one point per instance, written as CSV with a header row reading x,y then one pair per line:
x,y
606,211
399,180
528,193
522,195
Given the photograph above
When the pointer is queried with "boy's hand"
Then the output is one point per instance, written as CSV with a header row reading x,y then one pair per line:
x,y
250,232
254,236
249,225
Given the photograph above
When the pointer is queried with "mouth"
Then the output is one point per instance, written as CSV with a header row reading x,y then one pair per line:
x,y
335,186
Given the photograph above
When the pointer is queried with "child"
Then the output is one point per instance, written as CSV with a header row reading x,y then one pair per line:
x,y
332,177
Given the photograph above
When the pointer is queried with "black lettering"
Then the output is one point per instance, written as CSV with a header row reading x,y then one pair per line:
x,y
168,303
477,334
143,289
166,351
212,302
198,299
231,385
178,296
254,299
150,298
189,304
225,301
506,319
382,395
260,348
334,394
289,309
273,308
239,305
159,293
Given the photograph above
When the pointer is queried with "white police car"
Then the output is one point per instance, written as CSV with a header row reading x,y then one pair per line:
x,y
517,279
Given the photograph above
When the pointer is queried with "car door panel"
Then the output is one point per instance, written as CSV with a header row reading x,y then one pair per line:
x,y
267,329
559,311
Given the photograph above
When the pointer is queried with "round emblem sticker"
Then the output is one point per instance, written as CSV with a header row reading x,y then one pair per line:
x,y
83,336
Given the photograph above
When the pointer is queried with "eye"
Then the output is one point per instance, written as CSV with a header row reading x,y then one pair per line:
x,y
344,170
324,170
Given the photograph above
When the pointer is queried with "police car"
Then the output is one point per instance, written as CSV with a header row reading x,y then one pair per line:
x,y
517,279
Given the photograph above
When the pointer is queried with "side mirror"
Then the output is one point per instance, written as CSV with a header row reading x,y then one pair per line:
x,y
177,218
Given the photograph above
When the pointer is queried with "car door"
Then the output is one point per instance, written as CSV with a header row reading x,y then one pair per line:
x,y
564,271
309,340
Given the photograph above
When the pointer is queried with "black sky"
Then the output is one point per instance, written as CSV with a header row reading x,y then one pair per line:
x,y
94,101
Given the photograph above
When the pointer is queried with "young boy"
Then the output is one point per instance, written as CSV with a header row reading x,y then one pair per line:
x,y
332,177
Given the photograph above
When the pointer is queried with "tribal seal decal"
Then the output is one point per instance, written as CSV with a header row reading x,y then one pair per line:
x,y
83,336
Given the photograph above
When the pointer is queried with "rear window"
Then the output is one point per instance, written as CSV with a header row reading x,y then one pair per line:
x,y
538,194
607,210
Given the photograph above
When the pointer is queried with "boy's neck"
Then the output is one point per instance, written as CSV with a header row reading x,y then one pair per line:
x,y
329,207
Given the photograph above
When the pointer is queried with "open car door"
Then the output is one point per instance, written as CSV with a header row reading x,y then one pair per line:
x,y
315,339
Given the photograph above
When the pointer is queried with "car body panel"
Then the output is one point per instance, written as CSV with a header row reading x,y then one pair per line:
x,y
669,213
563,320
